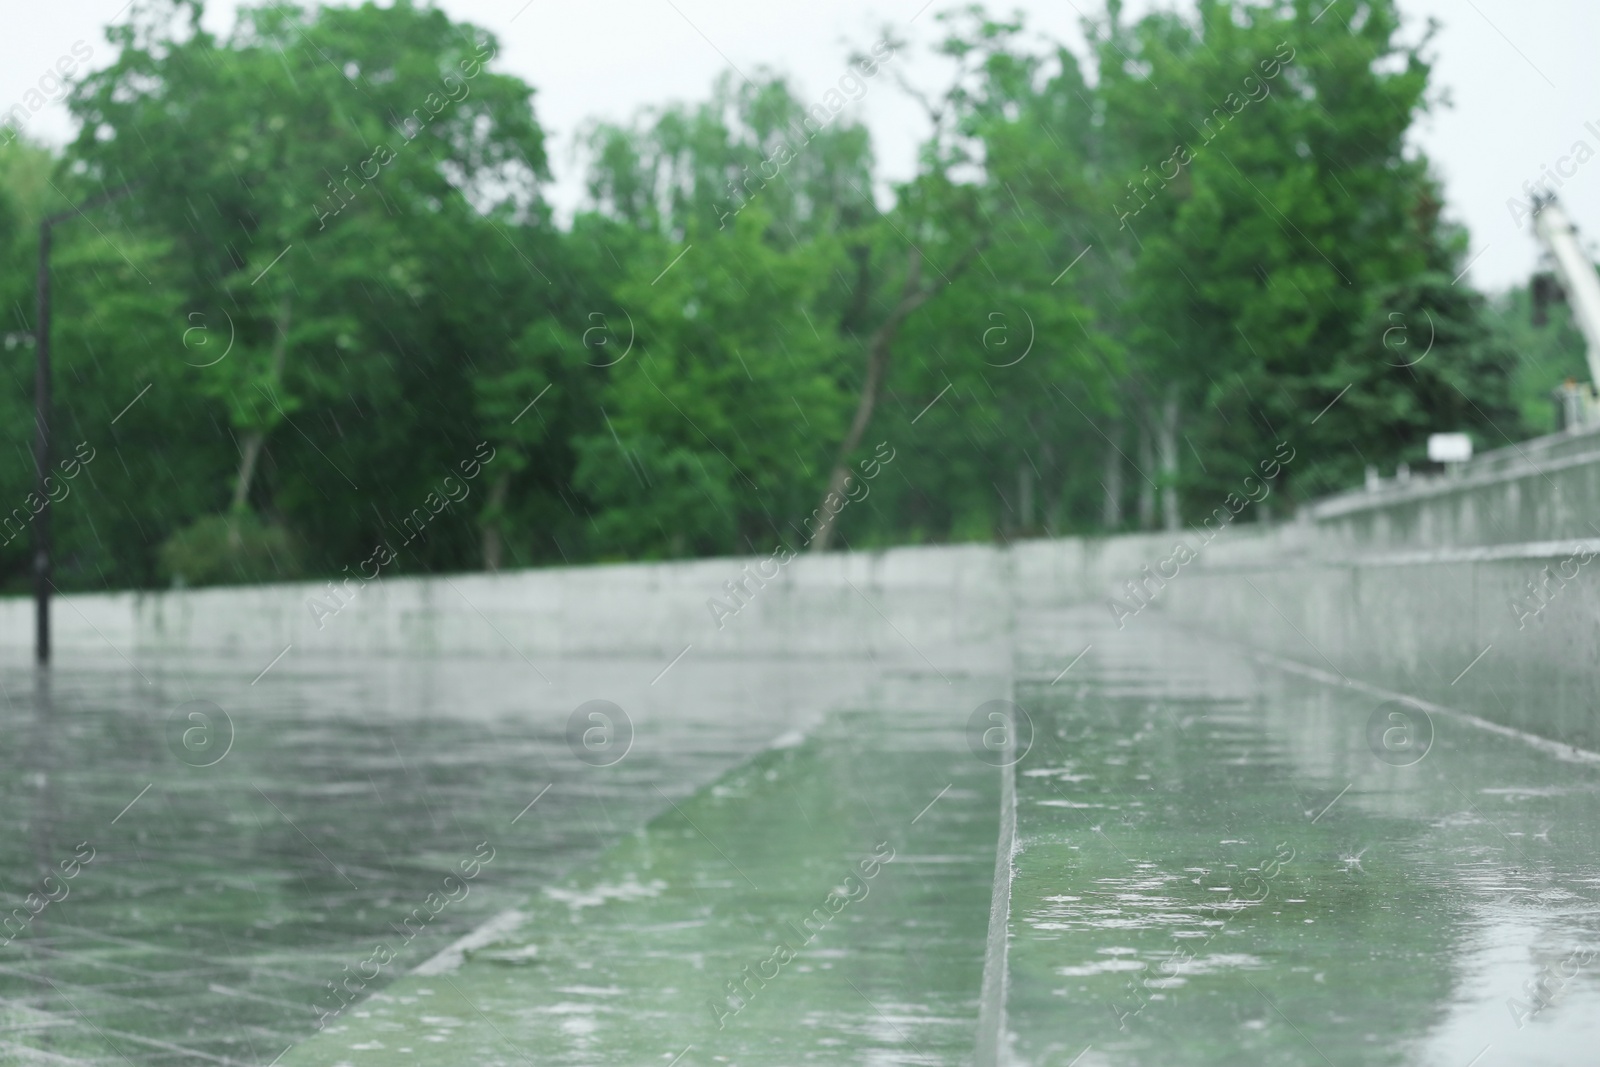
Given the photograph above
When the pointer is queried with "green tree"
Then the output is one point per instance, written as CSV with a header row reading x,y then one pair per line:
x,y
1548,352
726,416
1290,212
328,179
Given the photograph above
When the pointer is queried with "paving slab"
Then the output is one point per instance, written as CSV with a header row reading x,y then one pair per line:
x,y
825,902
1222,861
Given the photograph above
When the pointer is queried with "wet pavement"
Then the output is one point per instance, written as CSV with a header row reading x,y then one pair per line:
x,y
791,861
825,903
219,902
1220,861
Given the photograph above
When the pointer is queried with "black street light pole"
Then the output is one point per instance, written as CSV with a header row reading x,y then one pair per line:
x,y
42,584
41,448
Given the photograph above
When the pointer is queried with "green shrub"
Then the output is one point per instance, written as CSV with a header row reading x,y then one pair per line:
x,y
229,550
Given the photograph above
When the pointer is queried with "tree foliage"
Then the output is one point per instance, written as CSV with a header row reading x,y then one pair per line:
x,y
1116,281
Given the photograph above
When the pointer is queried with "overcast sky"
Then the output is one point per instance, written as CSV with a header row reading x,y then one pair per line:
x,y
1521,75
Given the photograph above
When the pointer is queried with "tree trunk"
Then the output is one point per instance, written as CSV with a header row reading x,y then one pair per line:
x,y
254,440
1147,490
1167,445
1050,489
1111,513
912,296
1024,496
493,546
249,452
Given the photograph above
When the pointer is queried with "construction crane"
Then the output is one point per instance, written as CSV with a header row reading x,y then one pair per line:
x,y
1580,405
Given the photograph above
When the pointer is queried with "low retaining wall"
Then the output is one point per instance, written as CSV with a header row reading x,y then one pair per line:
x,y
1476,591
1458,627
1539,490
1485,617
895,605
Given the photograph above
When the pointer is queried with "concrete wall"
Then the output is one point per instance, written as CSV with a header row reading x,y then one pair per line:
x,y
1539,490
1404,587
895,605
1476,591
1438,625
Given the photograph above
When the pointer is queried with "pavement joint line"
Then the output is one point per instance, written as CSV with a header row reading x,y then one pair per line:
x,y
1473,664
1296,629
274,662
450,958
931,803
1559,749
989,1050
1331,803
131,803
674,662
531,803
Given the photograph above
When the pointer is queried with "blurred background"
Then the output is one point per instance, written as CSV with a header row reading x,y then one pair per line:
x,y
678,267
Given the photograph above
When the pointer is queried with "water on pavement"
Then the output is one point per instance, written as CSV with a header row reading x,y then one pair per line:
x,y
1216,860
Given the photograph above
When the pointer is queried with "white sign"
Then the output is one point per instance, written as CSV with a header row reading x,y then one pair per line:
x,y
1449,447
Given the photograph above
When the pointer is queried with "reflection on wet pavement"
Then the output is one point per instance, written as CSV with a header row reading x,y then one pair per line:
x,y
418,862
826,902
223,902
1214,866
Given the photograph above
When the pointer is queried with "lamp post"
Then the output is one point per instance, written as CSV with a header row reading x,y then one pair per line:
x,y
40,524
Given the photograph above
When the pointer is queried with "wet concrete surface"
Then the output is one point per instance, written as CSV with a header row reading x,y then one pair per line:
x,y
826,902
222,901
1220,860
1218,857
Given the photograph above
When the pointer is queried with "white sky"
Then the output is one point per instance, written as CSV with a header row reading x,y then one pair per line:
x,y
1522,76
